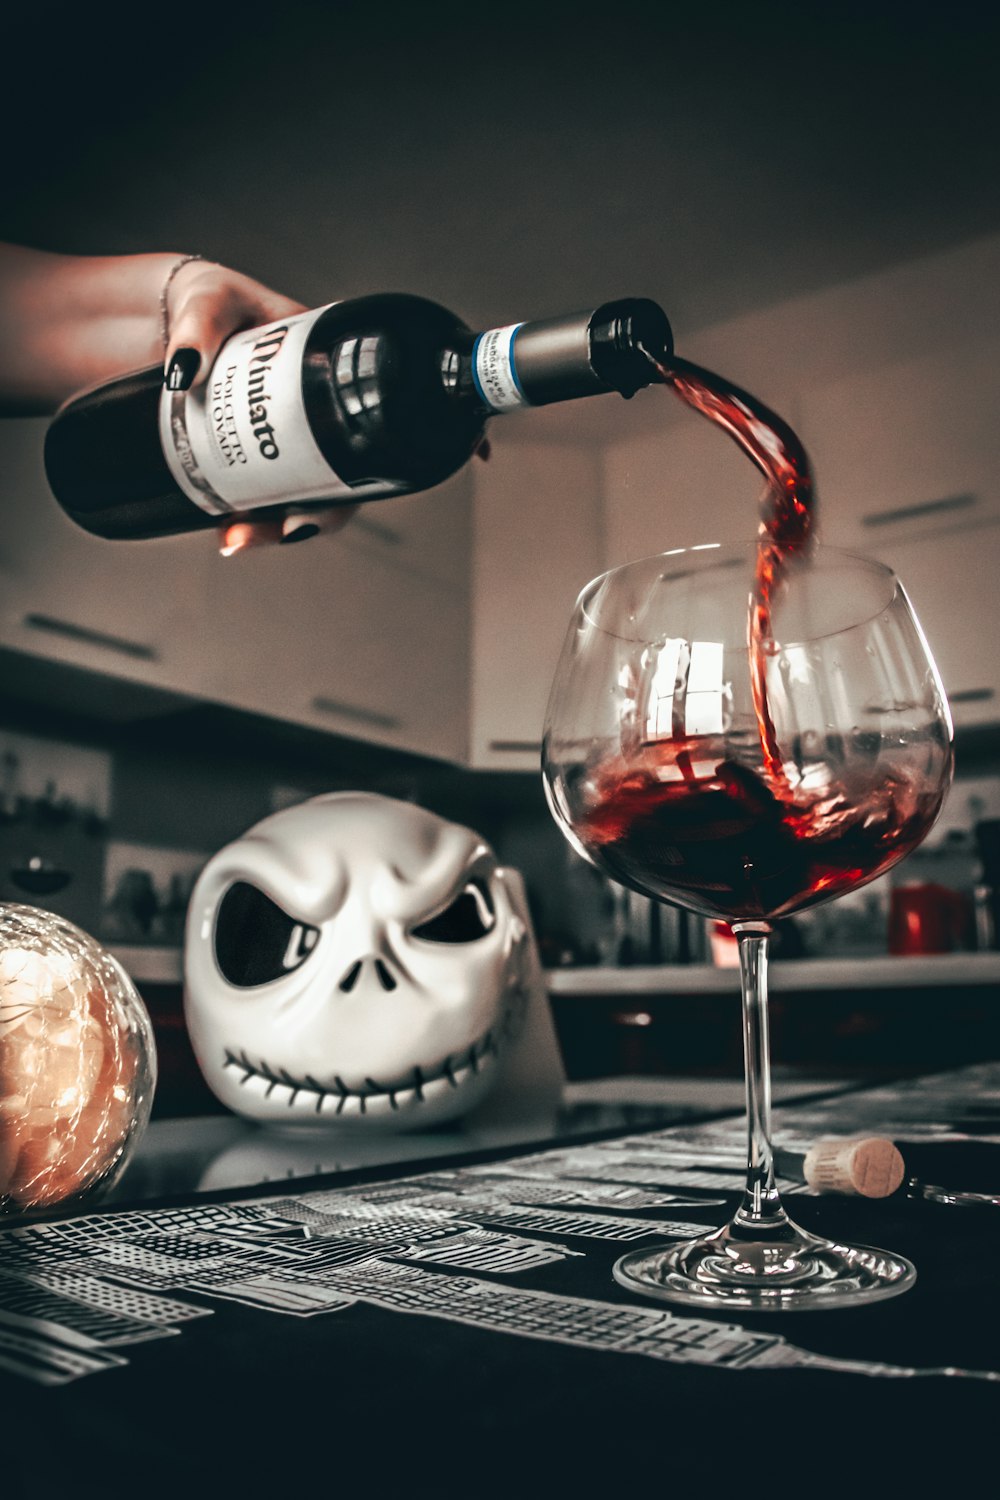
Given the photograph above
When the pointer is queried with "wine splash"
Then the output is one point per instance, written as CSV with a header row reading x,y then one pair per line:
x,y
787,517
722,843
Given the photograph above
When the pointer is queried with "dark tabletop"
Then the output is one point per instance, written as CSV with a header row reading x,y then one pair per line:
x,y
452,1327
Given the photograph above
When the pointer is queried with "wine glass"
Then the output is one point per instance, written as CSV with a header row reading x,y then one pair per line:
x,y
745,778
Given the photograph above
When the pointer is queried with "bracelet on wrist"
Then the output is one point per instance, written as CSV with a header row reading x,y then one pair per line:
x,y
183,260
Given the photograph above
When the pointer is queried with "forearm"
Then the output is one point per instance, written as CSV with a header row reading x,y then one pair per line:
x,y
67,322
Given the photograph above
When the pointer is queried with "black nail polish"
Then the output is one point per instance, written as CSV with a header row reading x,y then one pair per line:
x,y
182,369
300,532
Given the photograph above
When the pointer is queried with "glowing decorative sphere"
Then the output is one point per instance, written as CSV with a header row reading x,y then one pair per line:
x,y
77,1063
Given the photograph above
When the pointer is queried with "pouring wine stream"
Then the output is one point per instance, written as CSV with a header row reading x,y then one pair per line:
x,y
787,521
785,530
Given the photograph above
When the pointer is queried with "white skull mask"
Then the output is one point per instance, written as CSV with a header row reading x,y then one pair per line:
x,y
353,959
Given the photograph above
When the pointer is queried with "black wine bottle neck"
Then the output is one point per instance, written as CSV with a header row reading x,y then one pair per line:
x,y
583,354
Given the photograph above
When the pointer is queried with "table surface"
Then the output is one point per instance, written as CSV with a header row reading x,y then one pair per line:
x,y
450,1325
211,1152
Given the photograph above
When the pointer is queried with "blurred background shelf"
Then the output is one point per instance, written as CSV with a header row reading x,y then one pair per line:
x,y
873,971
856,1018
851,1019
150,965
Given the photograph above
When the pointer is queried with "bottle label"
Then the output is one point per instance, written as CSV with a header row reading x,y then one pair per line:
x,y
494,369
242,440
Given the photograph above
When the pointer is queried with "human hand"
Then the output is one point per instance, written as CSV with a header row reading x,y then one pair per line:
x,y
294,526
204,305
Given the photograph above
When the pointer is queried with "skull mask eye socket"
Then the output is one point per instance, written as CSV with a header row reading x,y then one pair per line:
x,y
470,915
255,940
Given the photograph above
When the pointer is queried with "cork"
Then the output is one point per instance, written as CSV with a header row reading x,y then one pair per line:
x,y
868,1168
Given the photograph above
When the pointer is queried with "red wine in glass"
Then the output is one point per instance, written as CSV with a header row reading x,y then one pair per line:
x,y
715,838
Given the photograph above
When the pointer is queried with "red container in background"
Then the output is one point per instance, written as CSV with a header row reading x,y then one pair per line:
x,y
927,918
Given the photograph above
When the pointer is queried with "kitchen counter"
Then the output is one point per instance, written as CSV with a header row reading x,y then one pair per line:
x,y
876,971
861,1017
212,1152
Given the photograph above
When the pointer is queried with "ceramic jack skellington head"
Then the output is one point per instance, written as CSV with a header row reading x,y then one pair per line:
x,y
356,960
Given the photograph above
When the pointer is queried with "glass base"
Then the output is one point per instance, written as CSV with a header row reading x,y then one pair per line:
x,y
788,1270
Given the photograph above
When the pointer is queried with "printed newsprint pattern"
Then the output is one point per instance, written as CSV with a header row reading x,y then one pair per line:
x,y
76,1294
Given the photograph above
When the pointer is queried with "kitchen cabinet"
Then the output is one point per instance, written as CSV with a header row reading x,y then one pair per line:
x,y
681,485
908,461
428,534
363,633
951,581
911,448
537,542
906,453
334,635
129,609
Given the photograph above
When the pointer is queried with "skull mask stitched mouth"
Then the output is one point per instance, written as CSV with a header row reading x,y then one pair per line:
x,y
353,959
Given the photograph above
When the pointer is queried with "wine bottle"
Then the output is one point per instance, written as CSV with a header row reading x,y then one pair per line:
x,y
361,400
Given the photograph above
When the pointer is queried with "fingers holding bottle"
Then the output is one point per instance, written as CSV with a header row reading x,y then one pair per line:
x,y
243,532
203,304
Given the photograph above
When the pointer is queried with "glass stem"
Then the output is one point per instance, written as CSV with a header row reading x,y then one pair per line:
x,y
761,1207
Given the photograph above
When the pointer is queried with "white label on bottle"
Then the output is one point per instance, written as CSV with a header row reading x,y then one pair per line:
x,y
242,440
494,370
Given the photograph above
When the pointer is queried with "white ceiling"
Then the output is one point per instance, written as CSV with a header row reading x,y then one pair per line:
x,y
516,162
